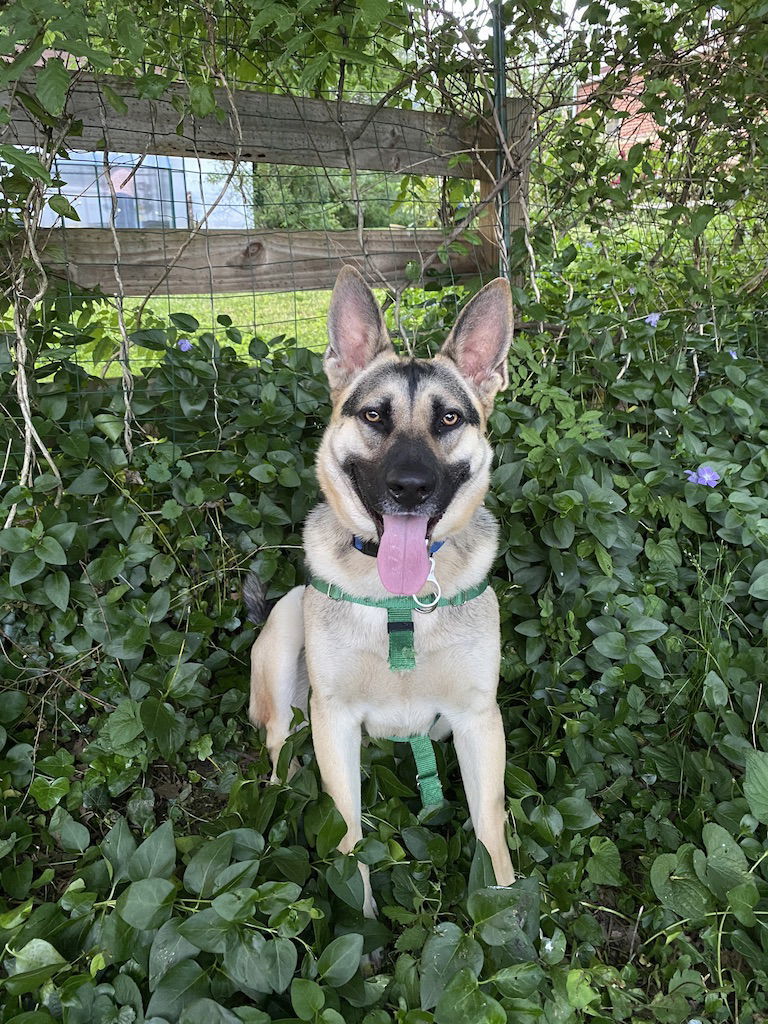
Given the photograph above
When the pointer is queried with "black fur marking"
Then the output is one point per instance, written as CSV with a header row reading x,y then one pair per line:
x,y
384,424
355,401
465,409
255,598
458,474
415,372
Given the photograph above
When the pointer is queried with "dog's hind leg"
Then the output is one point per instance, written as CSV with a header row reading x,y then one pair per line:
x,y
278,674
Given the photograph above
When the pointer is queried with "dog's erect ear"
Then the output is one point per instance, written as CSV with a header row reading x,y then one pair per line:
x,y
356,331
480,340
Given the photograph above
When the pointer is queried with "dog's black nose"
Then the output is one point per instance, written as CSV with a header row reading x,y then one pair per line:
x,y
410,486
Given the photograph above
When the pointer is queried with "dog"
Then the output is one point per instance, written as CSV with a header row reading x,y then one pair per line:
x,y
403,466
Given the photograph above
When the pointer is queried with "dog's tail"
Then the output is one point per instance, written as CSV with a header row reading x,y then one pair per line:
x,y
255,598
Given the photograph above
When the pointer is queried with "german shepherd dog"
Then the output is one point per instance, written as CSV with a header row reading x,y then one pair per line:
x,y
403,464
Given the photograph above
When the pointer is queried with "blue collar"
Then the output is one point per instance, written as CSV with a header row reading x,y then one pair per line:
x,y
370,547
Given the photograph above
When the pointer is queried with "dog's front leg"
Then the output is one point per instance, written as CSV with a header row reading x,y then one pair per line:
x,y
336,737
481,749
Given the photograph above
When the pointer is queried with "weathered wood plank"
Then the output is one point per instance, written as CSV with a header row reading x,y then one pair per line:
x,y
516,193
224,262
275,130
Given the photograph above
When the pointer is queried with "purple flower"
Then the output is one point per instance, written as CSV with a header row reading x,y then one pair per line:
x,y
590,245
704,475
733,353
632,290
184,344
653,319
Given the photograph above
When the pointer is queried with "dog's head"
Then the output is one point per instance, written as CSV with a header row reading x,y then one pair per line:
x,y
405,458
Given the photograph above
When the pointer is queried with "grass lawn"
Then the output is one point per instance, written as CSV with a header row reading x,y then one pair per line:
x,y
299,315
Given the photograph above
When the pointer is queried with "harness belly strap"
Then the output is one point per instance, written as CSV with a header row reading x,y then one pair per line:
x,y
423,749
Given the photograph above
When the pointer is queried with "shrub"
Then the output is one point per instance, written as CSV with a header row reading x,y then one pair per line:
x,y
147,869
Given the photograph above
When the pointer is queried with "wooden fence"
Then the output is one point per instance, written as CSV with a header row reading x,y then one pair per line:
x,y
275,130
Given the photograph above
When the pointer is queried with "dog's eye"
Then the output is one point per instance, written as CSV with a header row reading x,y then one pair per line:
x,y
451,419
372,416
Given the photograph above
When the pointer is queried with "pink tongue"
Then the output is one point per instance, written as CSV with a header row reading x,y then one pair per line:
x,y
403,562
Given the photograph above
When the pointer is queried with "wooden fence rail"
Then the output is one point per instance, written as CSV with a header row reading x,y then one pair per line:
x,y
226,261
274,130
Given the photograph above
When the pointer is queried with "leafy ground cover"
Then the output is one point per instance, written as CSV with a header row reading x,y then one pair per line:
x,y
149,872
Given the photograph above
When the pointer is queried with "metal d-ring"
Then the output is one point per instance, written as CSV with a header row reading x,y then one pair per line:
x,y
429,606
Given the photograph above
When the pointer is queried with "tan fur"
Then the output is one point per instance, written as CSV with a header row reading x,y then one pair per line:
x,y
345,645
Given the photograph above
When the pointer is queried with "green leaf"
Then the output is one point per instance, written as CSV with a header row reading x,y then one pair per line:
x,y
742,899
578,989
643,629
25,567
25,163
147,903
114,99
110,425
185,322
51,86
211,859
90,481
307,998
340,959
344,879
207,931
676,885
462,1001
519,981
35,954
61,205
201,98
16,539
577,813
124,725
56,587
163,725
325,824
169,947
500,915
118,846
152,338
69,834
446,952
156,857
207,1011
375,10
182,984
235,905
50,551
726,863
756,784
644,658
245,963
279,958
604,866
611,645
48,793
35,963
481,874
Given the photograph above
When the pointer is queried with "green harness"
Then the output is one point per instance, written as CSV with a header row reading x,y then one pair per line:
x,y
402,658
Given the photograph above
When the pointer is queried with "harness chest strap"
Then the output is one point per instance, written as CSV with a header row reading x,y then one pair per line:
x,y
402,657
